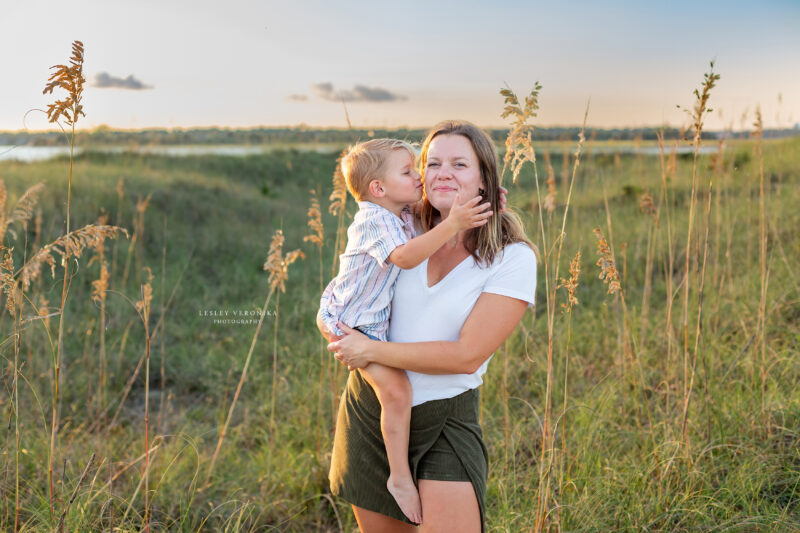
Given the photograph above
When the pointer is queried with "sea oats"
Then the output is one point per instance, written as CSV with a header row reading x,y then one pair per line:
x,y
277,264
646,204
100,285
7,283
143,305
70,78
141,204
316,234
23,209
338,197
571,284
608,268
552,191
69,245
519,147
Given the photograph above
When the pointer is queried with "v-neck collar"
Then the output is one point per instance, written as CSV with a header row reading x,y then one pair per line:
x,y
444,278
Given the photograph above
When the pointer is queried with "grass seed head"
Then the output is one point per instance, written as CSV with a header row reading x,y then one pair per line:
x,y
338,197
317,234
700,109
519,147
571,284
143,305
44,310
608,268
70,78
7,283
277,264
23,210
552,191
758,133
100,285
646,204
70,245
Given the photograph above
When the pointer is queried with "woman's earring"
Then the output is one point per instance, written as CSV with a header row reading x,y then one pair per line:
x,y
481,192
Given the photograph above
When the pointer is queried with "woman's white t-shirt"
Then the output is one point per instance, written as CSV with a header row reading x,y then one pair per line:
x,y
421,313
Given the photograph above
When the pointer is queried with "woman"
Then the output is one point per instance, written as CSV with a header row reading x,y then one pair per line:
x,y
448,316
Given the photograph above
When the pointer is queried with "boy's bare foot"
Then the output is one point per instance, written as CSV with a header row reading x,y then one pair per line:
x,y
407,497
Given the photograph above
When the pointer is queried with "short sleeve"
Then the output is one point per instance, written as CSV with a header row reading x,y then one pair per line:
x,y
408,220
514,274
384,233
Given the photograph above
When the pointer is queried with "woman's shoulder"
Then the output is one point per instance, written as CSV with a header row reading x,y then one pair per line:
x,y
518,253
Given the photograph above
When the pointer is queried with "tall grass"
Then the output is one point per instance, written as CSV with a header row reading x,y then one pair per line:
x,y
593,421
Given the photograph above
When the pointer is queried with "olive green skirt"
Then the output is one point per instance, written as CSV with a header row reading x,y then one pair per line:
x,y
360,468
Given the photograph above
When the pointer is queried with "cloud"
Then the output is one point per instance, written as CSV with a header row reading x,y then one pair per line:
x,y
297,98
360,93
105,80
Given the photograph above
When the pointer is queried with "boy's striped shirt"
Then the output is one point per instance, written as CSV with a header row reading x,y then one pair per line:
x,y
360,296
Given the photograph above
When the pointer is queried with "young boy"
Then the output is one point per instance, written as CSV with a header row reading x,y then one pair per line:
x,y
381,177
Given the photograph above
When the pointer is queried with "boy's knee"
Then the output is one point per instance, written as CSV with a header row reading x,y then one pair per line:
x,y
397,393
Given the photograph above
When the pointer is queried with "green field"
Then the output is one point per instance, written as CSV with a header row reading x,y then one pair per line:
x,y
618,458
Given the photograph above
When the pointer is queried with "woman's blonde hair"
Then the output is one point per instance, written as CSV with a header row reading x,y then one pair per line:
x,y
483,242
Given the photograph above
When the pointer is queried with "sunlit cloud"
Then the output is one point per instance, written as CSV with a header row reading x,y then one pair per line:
x,y
359,93
104,80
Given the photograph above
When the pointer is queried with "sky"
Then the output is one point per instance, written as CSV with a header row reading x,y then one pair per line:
x,y
178,63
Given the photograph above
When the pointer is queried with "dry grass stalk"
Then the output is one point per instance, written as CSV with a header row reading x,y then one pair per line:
x,y
316,231
763,238
44,311
23,209
99,290
647,207
143,308
338,197
668,169
519,147
70,78
571,284
277,264
100,285
67,246
8,284
138,232
317,236
646,204
608,267
338,200
697,114
552,191
60,526
120,196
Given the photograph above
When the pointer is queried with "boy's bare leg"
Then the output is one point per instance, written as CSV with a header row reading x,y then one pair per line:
x,y
394,392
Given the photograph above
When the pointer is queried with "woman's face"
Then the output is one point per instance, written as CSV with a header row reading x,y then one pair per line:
x,y
452,168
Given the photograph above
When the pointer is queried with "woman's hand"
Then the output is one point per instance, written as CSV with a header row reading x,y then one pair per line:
x,y
503,199
352,349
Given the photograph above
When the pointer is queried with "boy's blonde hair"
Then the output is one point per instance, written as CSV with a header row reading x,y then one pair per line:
x,y
365,162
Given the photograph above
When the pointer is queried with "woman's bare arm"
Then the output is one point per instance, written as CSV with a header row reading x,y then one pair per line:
x,y
491,321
